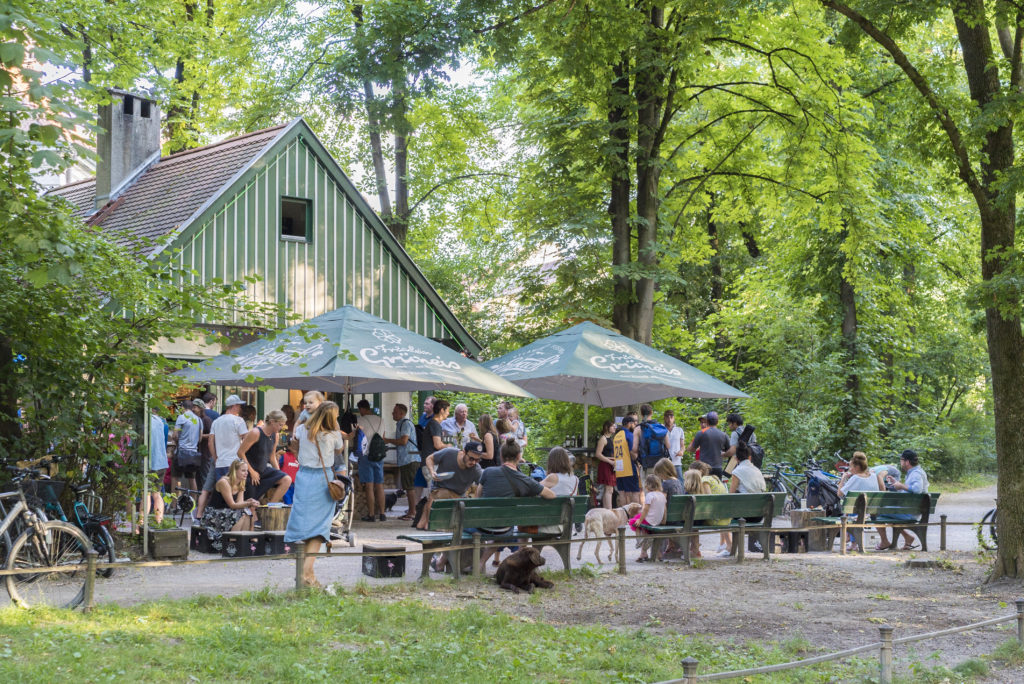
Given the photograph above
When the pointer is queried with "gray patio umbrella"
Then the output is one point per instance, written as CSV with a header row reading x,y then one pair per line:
x,y
590,365
350,351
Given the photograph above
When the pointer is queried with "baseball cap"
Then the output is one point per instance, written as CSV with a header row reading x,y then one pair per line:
x,y
233,400
199,403
475,448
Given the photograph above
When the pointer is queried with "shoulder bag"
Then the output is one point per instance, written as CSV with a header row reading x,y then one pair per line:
x,y
335,487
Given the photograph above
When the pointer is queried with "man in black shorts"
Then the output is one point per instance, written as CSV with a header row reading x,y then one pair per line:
x,y
265,474
185,436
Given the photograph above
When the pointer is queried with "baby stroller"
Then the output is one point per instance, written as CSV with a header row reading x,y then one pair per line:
x,y
344,514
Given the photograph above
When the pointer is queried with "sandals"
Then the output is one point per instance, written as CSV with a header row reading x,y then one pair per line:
x,y
879,547
407,517
908,547
644,559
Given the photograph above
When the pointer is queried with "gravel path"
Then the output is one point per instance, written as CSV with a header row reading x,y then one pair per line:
x,y
830,600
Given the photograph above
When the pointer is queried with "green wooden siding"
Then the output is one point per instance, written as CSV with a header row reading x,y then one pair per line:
x,y
344,263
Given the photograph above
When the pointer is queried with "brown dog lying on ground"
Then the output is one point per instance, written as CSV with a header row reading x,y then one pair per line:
x,y
519,571
603,524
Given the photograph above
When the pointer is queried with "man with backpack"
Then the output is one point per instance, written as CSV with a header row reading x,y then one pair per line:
x,y
738,433
371,469
407,456
653,444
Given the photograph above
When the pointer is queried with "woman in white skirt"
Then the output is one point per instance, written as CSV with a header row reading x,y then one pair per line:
x,y
315,442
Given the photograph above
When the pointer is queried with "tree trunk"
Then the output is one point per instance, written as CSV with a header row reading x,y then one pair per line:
x,y
851,414
618,205
998,232
399,225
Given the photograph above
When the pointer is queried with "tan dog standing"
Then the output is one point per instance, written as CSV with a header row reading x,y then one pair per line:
x,y
603,524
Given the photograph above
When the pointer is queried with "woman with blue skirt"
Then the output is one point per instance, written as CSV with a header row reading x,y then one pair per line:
x,y
316,442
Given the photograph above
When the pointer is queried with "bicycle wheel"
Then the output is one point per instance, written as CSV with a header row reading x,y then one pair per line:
x,y
101,540
60,544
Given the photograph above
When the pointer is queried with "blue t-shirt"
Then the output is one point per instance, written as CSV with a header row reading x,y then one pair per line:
x,y
407,453
425,419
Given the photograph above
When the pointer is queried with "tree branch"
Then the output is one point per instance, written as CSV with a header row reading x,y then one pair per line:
x,y
511,20
452,179
941,113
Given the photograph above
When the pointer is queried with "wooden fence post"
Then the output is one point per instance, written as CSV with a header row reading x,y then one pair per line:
x,y
1020,621
740,542
476,555
690,670
300,566
885,655
942,532
90,580
622,550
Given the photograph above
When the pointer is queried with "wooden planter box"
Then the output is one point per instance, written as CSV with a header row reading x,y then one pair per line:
x,y
168,544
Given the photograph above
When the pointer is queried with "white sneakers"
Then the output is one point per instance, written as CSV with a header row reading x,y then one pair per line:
x,y
723,553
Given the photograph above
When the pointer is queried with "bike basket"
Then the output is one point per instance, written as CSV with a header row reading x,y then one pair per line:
x,y
48,491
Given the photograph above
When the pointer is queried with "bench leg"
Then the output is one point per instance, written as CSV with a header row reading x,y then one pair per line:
x,y
425,570
765,538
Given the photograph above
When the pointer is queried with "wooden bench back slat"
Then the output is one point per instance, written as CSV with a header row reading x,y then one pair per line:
x,y
713,506
503,512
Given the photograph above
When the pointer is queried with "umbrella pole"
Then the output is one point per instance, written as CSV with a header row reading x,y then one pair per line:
x,y
145,468
586,424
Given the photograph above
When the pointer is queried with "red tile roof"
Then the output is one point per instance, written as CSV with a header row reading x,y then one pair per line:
x,y
168,193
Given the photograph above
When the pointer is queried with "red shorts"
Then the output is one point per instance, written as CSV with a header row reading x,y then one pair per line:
x,y
605,474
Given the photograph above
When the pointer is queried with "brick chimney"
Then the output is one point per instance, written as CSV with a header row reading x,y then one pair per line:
x,y
128,143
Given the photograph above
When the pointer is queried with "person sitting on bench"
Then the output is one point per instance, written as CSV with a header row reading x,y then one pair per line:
x,y
916,482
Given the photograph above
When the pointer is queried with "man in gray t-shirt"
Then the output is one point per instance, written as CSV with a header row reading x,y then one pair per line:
x,y
464,468
712,444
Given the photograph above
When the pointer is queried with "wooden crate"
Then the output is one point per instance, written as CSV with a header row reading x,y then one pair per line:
x,y
168,544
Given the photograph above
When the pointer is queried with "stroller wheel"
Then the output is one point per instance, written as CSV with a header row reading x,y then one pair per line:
x,y
350,537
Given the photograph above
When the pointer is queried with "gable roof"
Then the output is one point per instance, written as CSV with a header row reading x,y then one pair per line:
x,y
175,197
167,194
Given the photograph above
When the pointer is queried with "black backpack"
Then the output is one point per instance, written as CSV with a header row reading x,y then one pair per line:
x,y
756,451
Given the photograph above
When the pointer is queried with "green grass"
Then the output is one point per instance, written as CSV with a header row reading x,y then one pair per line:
x,y
264,636
964,484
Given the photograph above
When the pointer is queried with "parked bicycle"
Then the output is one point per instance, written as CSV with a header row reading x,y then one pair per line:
x,y
782,478
42,544
989,541
86,517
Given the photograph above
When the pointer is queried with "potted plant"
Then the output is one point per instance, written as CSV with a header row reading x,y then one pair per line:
x,y
167,540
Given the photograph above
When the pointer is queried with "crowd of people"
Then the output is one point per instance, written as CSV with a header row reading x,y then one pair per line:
x,y
236,461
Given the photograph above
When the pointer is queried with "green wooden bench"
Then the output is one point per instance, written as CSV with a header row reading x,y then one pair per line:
x,y
879,506
455,516
686,510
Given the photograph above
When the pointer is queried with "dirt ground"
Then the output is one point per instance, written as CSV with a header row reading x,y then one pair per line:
x,y
829,600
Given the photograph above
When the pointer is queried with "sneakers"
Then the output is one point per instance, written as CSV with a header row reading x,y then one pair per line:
x,y
382,518
368,518
722,547
723,553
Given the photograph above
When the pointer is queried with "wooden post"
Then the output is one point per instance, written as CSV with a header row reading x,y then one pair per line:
x,y
90,580
739,542
300,566
885,655
622,550
1020,621
842,536
476,555
690,670
942,532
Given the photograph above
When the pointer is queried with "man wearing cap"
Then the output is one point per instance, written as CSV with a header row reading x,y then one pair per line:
x,y
459,473
226,443
916,482
188,429
712,443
